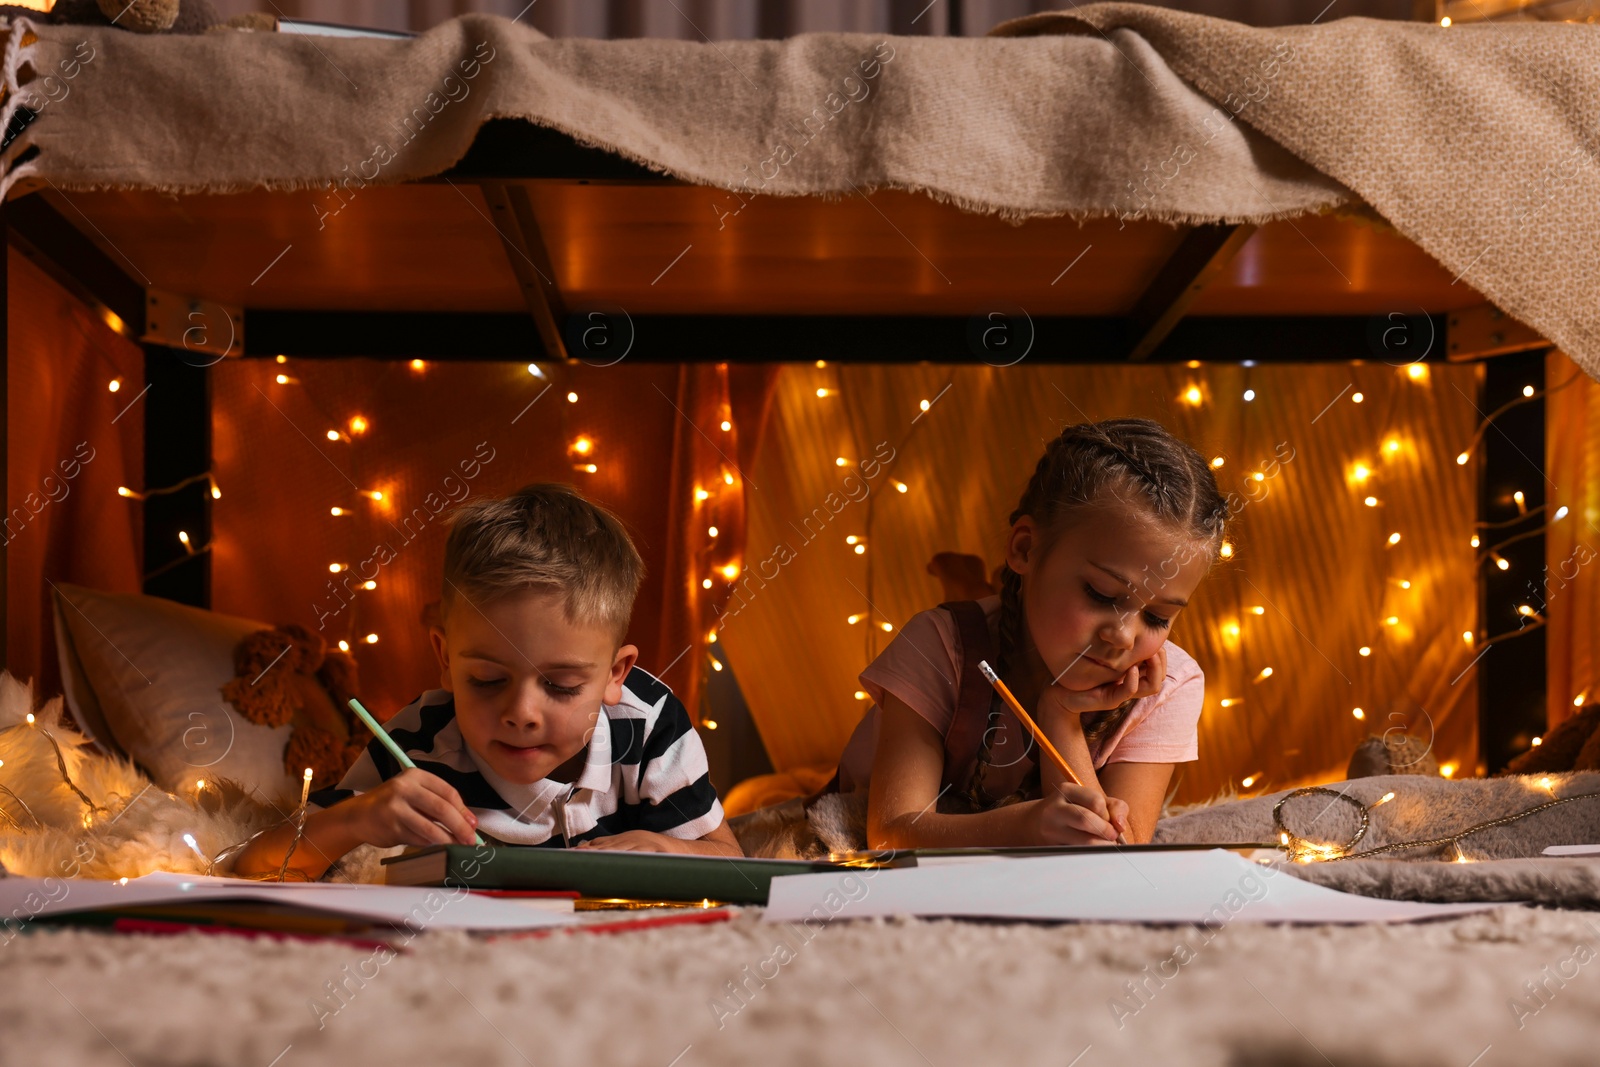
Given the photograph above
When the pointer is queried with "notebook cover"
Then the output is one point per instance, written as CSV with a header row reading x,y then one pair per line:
x,y
596,872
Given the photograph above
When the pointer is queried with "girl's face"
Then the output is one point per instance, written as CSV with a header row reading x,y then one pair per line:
x,y
1104,596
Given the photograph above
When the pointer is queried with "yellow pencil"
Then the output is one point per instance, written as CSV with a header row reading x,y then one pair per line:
x,y
1033,728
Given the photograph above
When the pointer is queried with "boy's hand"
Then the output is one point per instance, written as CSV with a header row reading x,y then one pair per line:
x,y
1141,680
1078,815
636,841
412,808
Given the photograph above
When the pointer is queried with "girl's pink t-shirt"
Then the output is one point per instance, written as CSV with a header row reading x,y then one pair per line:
x,y
920,666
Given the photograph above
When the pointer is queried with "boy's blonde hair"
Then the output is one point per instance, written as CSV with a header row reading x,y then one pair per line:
x,y
545,537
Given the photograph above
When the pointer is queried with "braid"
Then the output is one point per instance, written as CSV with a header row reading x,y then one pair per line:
x,y
1010,638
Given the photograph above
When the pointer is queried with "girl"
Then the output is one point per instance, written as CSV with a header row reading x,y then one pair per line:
x,y
1117,527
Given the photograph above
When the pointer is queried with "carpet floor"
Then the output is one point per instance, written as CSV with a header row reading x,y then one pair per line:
x,y
1518,985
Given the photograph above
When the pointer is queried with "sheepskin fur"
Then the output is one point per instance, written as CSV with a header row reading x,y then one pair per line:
x,y
123,825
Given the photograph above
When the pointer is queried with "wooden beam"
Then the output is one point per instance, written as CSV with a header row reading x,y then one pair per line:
x,y
1199,258
512,214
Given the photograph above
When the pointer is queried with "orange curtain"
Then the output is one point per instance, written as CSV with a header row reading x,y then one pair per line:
x,y
451,431
70,442
1572,544
1313,580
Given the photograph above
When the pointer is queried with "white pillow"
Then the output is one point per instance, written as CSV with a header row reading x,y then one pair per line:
x,y
155,669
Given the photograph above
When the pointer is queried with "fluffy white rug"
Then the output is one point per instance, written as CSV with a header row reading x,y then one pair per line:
x,y
1517,986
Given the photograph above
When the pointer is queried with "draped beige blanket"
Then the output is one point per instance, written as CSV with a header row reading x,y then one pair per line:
x,y
1475,142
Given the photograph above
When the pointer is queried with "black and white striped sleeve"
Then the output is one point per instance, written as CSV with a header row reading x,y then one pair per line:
x,y
674,778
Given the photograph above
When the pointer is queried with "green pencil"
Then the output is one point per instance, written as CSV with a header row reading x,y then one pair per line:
x,y
388,742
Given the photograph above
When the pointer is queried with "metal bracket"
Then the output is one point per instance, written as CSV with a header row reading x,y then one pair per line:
x,y
191,324
1484,331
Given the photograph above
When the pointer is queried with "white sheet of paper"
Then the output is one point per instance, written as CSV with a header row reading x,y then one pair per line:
x,y
419,908
1213,886
1573,850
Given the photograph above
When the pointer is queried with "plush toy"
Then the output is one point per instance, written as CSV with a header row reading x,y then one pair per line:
x,y
1394,753
144,16
1572,746
287,676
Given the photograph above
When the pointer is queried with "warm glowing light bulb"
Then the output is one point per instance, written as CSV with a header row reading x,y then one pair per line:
x,y
1445,22
1358,713
572,398
1259,476
1266,672
1537,741
372,494
358,424
1364,650
1360,472
711,724
726,425
30,718
335,568
183,536
1229,702
862,694
582,446
417,364
1249,781
886,626
333,435
1475,541
536,370
1417,372
727,478
852,539
1356,398
282,379
1233,629
114,384
1523,609
1192,394
841,462
1466,635
925,405
903,487
706,584
1560,514
1545,783
216,493
1371,501
1391,446
344,646
123,490
587,468
1226,552
860,549
711,531
1394,538
730,571
1461,460
716,665
281,359
1217,461
1503,563
369,584
852,620
1249,394
821,363
1527,390
372,639
1392,620
1577,701
1447,770
701,494
1404,584
1256,609
336,512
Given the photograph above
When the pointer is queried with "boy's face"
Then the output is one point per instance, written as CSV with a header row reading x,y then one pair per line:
x,y
528,683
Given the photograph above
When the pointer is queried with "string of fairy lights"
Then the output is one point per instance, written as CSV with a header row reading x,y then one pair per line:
x,y
720,498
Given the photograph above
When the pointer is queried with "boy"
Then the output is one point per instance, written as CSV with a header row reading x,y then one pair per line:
x,y
545,733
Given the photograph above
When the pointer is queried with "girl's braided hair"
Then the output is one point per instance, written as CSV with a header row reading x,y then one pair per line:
x,y
1134,460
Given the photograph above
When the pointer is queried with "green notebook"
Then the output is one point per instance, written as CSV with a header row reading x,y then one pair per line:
x,y
597,873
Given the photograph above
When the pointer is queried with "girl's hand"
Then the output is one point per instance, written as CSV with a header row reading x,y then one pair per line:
x,y
1141,680
1077,815
412,808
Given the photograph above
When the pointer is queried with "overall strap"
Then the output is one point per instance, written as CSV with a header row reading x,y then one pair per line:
x,y
965,735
